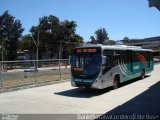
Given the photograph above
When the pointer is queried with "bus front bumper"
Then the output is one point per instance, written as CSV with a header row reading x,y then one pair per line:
x,y
97,84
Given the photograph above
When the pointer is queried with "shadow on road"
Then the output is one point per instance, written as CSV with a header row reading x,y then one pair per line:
x,y
87,93
147,102
83,93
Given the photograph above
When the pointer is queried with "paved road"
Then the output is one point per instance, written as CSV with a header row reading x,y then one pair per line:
x,y
138,96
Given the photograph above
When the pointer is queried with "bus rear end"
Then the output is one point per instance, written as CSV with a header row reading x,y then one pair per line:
x,y
86,65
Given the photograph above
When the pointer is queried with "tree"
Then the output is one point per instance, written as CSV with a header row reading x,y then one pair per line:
x,y
10,33
125,40
50,30
101,37
154,3
75,41
111,42
93,40
52,35
26,43
35,38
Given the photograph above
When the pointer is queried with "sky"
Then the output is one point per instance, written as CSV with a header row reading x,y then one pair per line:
x,y
120,18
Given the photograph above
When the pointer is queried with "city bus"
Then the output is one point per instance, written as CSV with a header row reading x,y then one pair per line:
x,y
101,66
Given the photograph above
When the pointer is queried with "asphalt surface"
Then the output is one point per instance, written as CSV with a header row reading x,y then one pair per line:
x,y
134,97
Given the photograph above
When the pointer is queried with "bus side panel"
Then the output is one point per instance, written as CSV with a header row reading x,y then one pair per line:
x,y
138,64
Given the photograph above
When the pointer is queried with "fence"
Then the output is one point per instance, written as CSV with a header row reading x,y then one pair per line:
x,y
15,74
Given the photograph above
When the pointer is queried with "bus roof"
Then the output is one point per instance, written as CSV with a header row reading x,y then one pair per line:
x,y
116,47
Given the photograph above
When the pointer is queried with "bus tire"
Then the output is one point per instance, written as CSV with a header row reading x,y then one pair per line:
x,y
116,82
142,74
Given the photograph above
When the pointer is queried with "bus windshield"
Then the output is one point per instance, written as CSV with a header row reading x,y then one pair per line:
x,y
86,66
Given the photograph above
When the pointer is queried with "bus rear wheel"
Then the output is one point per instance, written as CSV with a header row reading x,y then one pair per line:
x,y
116,82
142,74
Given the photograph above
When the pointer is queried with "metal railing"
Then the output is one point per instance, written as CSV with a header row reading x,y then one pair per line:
x,y
21,73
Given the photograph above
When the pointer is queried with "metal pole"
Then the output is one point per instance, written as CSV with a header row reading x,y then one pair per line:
x,y
2,55
37,47
1,74
60,61
35,71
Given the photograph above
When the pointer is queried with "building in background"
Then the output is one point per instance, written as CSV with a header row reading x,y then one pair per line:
x,y
23,55
146,43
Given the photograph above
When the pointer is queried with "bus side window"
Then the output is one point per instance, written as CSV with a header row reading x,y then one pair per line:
x,y
116,57
108,60
115,60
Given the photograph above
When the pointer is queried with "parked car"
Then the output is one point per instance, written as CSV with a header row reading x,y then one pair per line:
x,y
31,69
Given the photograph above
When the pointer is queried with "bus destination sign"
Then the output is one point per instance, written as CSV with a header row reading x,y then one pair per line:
x,y
86,50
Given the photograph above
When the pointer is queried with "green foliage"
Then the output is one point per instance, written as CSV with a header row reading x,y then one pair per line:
x,y
53,32
125,40
26,43
10,33
111,42
50,32
93,40
101,37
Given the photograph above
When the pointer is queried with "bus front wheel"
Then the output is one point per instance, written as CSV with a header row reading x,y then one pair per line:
x,y
116,82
